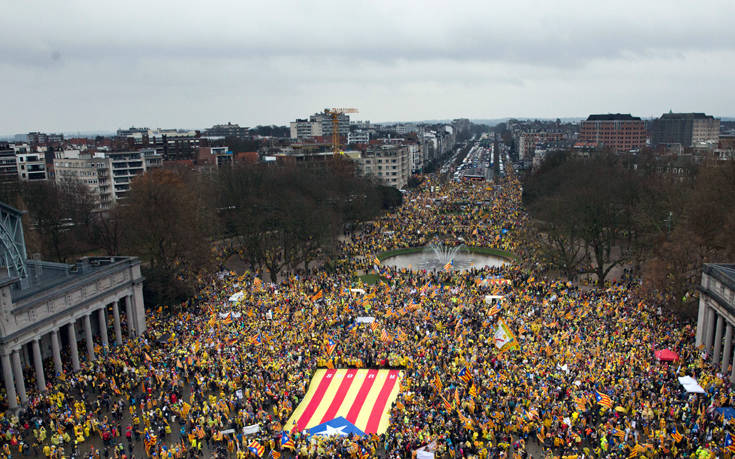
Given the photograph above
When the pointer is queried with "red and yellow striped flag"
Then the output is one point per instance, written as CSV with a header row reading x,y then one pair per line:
x,y
438,382
363,397
448,406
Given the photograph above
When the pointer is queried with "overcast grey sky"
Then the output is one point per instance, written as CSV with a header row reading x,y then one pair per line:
x,y
77,65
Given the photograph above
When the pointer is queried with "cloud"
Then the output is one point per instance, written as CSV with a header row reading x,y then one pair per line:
x,y
170,63
541,33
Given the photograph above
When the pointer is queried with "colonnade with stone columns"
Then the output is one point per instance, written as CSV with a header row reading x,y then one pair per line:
x,y
715,336
78,327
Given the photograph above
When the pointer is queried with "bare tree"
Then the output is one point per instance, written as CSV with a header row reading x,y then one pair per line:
x,y
60,214
167,225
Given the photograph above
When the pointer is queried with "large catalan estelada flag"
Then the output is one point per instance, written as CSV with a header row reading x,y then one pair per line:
x,y
357,400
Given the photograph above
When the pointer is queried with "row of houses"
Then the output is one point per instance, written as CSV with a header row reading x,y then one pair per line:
x,y
671,133
108,165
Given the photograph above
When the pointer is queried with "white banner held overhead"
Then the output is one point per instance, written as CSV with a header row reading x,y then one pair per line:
x,y
690,385
251,429
365,320
237,296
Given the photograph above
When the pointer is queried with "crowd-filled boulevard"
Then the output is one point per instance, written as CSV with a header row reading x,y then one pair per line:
x,y
579,380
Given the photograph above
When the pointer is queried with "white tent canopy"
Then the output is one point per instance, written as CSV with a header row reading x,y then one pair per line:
x,y
690,385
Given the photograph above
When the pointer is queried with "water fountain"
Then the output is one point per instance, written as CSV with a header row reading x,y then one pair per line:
x,y
436,256
442,255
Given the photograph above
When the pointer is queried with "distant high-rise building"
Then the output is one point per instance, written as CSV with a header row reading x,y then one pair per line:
x,y
31,166
227,130
319,125
106,175
389,163
305,129
618,132
462,124
125,165
403,129
8,164
686,129
132,131
526,145
358,137
171,143
41,138
91,171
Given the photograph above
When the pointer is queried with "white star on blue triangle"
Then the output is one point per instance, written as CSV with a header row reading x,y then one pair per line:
x,y
336,427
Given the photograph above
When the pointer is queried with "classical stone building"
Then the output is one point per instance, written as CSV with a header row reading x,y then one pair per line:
x,y
717,315
49,310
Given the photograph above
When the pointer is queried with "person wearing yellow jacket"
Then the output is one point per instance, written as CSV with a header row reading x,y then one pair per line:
x,y
79,433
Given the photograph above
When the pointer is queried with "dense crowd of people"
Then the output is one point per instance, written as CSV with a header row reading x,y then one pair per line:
x,y
582,380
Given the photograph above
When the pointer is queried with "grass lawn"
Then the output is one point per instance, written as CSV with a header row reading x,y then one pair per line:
x,y
371,279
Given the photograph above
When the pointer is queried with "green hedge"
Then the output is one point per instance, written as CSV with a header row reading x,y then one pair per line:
x,y
492,251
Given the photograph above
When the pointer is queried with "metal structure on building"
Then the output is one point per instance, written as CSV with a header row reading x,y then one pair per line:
x,y
334,114
13,243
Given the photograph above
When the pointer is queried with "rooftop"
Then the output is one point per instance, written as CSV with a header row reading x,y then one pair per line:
x,y
45,275
613,117
686,116
725,273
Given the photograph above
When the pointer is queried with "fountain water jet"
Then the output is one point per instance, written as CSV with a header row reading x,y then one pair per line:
x,y
442,254
436,256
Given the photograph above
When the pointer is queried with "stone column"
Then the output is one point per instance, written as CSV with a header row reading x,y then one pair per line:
x,y
9,381
56,351
717,345
73,347
101,313
727,350
38,364
88,335
139,308
732,372
116,316
19,380
129,313
711,314
25,355
701,320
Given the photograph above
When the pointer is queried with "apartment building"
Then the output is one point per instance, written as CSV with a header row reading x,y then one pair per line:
x,y
527,142
170,143
358,137
8,163
107,175
93,171
685,129
319,125
227,130
31,166
214,156
391,164
126,165
41,138
618,132
305,129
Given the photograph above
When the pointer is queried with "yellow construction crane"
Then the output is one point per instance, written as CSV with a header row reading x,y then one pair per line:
x,y
334,114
